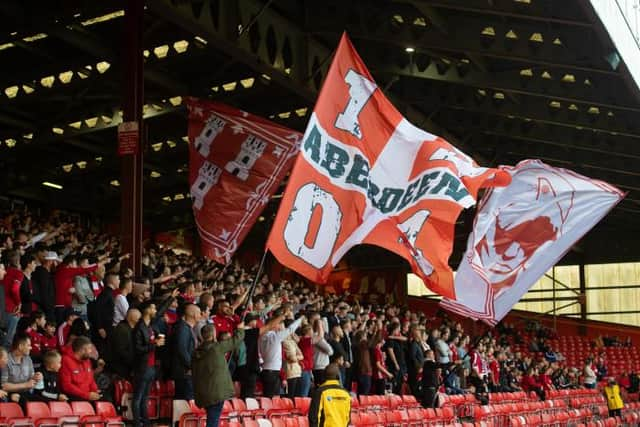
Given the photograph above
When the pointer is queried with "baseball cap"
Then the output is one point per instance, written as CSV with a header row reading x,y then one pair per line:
x,y
52,256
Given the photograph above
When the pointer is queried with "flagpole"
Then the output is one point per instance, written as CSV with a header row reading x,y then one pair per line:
x,y
254,284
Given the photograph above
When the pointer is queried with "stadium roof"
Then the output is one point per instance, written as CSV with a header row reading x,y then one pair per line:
x,y
504,80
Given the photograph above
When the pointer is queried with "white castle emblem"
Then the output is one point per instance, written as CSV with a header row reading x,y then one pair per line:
x,y
212,128
250,151
208,176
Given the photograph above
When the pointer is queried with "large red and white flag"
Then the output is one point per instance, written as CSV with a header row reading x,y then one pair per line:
x,y
367,175
521,231
236,163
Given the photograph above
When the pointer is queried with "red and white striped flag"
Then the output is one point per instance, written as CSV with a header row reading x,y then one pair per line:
x,y
367,175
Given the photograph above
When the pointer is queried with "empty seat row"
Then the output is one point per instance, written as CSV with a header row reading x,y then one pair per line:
x,y
41,414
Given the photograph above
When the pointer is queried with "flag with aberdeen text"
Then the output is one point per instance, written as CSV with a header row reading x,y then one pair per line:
x,y
365,175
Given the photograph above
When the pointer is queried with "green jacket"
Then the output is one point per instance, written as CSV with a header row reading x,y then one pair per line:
x,y
211,378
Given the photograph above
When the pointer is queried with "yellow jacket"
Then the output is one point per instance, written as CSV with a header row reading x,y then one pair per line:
x,y
614,400
330,406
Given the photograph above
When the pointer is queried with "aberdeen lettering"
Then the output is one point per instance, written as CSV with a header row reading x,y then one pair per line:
x,y
346,166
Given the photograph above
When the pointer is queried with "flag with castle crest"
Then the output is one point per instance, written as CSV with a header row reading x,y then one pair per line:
x,y
367,175
236,163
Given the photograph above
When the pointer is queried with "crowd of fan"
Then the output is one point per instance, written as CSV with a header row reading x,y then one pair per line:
x,y
75,320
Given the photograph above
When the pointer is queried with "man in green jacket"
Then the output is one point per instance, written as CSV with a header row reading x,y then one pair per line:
x,y
212,380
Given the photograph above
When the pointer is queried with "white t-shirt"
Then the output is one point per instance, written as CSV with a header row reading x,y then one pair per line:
x,y
120,309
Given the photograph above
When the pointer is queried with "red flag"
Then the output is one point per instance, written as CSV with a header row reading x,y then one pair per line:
x,y
236,162
367,175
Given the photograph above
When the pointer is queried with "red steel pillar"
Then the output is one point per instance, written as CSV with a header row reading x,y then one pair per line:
x,y
133,100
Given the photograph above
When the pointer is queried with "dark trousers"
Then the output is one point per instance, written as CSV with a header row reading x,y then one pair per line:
x,y
270,383
364,385
414,384
379,386
213,414
294,387
348,378
615,412
248,385
184,388
398,379
141,388
318,377
429,398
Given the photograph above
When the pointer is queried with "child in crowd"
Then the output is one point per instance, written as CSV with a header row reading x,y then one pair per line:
x,y
52,361
49,341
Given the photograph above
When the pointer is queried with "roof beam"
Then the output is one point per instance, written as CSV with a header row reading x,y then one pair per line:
x,y
619,127
608,96
510,9
559,47
83,39
582,144
295,60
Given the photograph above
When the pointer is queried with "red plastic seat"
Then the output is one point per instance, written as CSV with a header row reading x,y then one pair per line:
x,y
265,403
448,415
410,401
302,404
64,413
108,413
240,407
280,407
13,416
395,401
88,417
41,415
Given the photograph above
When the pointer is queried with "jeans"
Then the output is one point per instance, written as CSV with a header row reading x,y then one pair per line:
x,y
141,389
590,386
270,383
213,414
12,325
184,388
305,384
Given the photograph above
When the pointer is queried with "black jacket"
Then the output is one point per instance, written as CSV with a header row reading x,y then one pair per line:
x,y
44,290
251,343
415,359
101,311
122,353
337,348
348,348
51,390
429,374
182,345
26,295
142,346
